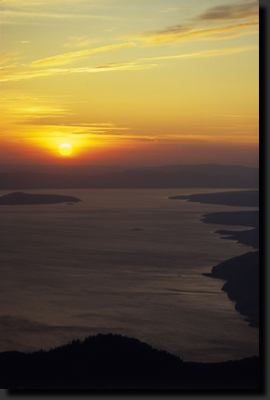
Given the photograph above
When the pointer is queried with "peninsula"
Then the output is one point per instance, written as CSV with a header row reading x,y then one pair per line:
x,y
243,198
242,272
20,198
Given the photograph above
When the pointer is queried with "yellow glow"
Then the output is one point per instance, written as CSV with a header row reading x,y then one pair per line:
x,y
177,89
65,149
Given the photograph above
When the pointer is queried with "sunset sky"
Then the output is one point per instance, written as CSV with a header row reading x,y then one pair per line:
x,y
125,82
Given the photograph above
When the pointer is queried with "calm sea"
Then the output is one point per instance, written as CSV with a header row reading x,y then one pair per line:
x,y
120,261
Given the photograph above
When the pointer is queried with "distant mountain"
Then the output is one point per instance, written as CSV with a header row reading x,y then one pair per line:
x,y
172,176
62,169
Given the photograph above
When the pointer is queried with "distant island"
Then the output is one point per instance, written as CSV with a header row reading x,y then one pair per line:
x,y
242,272
20,198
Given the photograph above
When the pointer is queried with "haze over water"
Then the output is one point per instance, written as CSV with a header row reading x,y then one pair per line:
x,y
120,261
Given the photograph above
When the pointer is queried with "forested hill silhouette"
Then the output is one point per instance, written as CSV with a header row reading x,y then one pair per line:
x,y
117,362
174,176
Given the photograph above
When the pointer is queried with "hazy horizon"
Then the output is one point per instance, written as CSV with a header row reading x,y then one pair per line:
x,y
68,165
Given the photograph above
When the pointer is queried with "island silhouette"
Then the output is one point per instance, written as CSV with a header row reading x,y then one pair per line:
x,y
20,198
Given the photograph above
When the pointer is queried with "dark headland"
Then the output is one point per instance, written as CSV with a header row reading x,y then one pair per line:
x,y
242,286
244,198
248,237
242,272
20,198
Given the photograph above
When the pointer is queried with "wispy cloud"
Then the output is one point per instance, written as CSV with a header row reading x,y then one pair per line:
x,y
40,2
33,12
24,75
7,67
9,56
20,112
232,11
206,53
68,57
79,41
181,33
84,129
97,129
246,14
168,10
8,15
35,116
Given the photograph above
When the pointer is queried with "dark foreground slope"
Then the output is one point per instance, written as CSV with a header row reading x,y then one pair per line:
x,y
117,362
20,198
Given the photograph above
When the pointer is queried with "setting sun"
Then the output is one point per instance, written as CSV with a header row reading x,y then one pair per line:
x,y
65,149
155,83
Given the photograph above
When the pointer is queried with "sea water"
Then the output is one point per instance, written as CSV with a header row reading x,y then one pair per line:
x,y
128,262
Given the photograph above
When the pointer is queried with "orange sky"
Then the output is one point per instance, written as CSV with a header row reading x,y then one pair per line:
x,y
130,83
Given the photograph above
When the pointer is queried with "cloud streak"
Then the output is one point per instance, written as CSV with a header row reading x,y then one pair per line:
x,y
206,53
9,16
181,33
24,75
9,56
26,11
247,15
65,58
79,41
232,11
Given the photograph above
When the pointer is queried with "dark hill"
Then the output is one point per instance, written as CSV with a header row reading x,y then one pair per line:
x,y
20,198
117,362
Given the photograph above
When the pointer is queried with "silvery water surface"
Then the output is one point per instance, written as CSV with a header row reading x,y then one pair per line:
x,y
120,261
